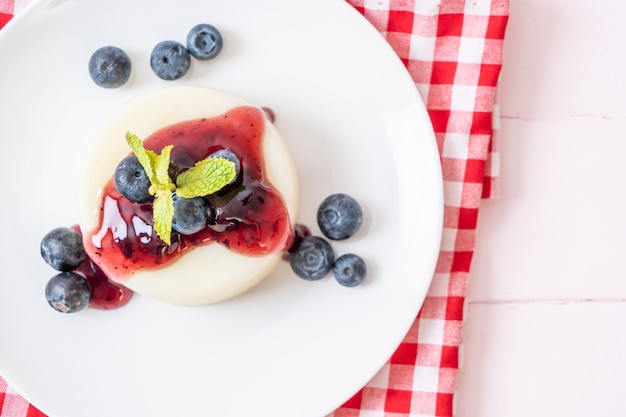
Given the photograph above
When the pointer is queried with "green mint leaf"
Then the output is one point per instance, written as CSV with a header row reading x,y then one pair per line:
x,y
152,157
206,177
162,214
146,158
162,165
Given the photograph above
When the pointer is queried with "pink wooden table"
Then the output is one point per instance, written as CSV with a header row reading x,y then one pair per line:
x,y
545,325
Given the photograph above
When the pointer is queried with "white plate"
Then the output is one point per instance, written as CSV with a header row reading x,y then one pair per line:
x,y
355,124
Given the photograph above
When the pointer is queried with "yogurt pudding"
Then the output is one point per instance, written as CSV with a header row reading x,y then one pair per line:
x,y
252,224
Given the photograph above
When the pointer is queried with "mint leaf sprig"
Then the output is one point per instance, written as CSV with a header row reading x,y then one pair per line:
x,y
206,177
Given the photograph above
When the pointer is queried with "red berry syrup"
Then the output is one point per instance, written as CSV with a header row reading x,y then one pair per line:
x,y
105,294
250,217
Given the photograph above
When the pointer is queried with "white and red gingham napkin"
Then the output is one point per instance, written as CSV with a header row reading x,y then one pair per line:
x,y
453,51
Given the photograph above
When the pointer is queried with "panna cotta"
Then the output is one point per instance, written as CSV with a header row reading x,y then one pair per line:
x,y
249,227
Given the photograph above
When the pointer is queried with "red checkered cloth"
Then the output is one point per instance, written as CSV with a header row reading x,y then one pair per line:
x,y
13,405
453,51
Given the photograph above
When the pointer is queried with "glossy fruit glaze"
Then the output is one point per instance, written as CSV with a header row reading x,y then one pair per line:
x,y
249,217
105,294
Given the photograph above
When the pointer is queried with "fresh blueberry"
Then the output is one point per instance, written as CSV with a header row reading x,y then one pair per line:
x,y
190,215
204,41
339,216
62,249
349,270
68,292
170,60
109,67
313,258
226,154
131,180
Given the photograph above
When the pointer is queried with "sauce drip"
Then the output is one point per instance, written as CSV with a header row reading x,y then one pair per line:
x,y
105,294
249,217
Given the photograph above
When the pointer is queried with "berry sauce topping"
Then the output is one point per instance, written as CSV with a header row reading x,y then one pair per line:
x,y
105,294
248,216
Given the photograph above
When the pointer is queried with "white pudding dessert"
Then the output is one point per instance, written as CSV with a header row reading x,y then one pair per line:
x,y
249,225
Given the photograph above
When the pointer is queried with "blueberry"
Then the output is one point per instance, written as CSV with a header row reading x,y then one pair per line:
x,y
226,154
131,180
170,60
349,270
190,215
109,67
313,258
68,292
339,216
62,249
204,41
